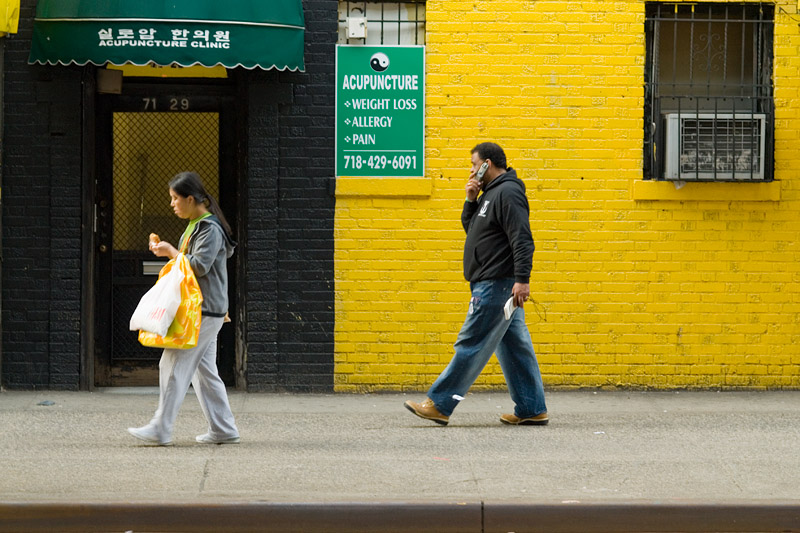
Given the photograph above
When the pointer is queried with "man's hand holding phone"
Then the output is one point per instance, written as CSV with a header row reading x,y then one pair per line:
x,y
473,186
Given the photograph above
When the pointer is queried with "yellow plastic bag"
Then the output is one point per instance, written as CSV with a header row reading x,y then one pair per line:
x,y
185,329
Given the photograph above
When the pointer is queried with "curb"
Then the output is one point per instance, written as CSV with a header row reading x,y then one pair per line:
x,y
577,517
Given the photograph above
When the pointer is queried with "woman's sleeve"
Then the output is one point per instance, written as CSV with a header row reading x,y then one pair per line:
x,y
204,245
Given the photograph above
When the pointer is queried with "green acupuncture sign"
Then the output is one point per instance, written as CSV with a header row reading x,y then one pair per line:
x,y
380,111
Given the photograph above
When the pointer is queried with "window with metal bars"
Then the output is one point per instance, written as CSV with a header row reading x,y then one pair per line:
x,y
388,23
709,110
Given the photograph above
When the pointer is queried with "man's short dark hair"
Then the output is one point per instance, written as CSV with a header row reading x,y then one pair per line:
x,y
491,151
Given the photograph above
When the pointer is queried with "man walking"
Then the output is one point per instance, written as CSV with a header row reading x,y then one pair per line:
x,y
498,255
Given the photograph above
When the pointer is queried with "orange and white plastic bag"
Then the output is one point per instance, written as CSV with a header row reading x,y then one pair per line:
x,y
157,308
185,327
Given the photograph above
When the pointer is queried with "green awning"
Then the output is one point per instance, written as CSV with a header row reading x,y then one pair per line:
x,y
248,33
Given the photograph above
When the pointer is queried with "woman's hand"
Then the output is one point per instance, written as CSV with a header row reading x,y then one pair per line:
x,y
163,249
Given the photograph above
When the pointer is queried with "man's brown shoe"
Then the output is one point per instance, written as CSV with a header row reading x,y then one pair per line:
x,y
427,410
538,420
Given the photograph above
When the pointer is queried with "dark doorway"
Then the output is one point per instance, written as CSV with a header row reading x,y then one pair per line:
x,y
144,137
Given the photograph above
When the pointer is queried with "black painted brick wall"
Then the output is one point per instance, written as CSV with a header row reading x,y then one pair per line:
x,y
41,219
288,282
290,291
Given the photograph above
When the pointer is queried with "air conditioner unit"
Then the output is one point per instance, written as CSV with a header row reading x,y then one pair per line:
x,y
714,146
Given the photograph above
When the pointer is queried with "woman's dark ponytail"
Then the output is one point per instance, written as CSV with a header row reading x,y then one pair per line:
x,y
189,184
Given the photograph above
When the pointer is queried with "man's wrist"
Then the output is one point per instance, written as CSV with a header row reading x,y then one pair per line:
x,y
470,201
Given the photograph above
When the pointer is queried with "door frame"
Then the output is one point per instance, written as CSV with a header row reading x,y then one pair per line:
x,y
236,111
88,242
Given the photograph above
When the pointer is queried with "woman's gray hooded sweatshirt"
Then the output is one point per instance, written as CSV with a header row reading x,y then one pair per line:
x,y
208,253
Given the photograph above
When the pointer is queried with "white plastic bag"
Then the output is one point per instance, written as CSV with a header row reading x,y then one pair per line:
x,y
157,308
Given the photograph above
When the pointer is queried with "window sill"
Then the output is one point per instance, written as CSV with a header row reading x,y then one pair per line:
x,y
722,192
347,186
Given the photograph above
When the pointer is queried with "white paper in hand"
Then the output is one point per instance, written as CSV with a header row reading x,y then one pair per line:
x,y
508,310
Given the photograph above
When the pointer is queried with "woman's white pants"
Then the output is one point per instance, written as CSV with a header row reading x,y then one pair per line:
x,y
196,366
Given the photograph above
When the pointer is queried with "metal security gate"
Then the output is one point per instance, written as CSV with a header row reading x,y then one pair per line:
x,y
709,109
144,141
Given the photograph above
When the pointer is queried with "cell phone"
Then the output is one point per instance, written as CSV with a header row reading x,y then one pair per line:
x,y
482,171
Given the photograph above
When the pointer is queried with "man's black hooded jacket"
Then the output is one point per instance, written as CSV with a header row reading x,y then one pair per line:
x,y
499,242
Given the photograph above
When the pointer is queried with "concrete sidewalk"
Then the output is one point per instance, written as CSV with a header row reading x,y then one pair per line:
x,y
600,447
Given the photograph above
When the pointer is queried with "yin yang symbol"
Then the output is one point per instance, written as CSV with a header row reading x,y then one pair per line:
x,y
379,62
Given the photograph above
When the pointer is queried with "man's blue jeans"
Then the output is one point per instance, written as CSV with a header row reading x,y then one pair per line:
x,y
486,331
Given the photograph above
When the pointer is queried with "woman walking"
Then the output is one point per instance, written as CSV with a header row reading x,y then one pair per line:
x,y
210,245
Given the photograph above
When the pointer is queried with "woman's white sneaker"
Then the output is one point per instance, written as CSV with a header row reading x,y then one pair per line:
x,y
206,438
148,434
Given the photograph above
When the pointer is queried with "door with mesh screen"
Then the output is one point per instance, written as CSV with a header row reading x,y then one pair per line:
x,y
144,140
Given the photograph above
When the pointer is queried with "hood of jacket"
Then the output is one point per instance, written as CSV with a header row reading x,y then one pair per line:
x,y
230,244
509,176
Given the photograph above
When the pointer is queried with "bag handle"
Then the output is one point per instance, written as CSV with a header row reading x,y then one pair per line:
x,y
185,245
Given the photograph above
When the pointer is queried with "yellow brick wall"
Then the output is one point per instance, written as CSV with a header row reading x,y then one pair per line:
x,y
636,284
